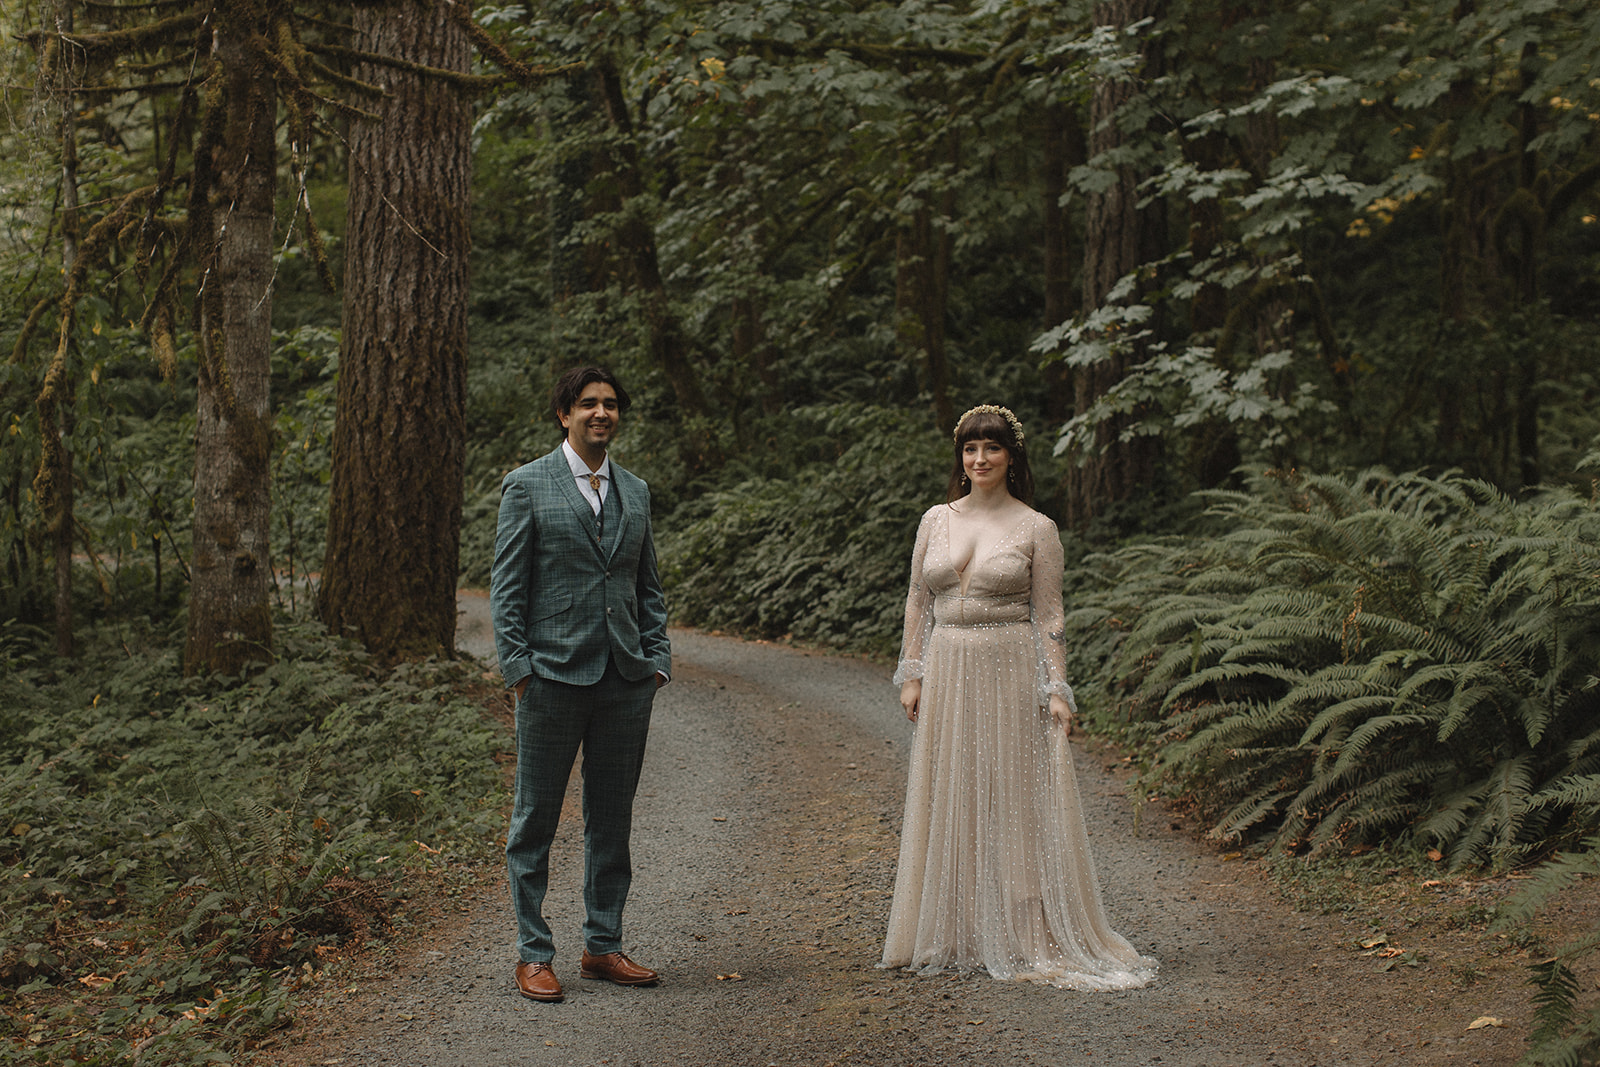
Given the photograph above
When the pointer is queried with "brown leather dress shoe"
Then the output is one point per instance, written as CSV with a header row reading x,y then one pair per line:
x,y
537,981
616,967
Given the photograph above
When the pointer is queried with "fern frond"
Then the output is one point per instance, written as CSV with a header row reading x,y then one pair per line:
x,y
1580,791
1336,720
1247,814
1556,994
1349,759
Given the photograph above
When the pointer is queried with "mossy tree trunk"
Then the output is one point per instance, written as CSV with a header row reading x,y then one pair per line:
x,y
394,514
230,617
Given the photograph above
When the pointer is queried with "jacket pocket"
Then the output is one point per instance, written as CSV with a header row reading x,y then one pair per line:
x,y
549,606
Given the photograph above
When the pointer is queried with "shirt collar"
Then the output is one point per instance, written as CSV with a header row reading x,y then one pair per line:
x,y
579,468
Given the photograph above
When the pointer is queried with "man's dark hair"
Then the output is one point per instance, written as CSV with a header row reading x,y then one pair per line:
x,y
570,386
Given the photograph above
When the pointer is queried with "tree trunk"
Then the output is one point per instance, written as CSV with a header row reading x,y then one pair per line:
x,y
922,292
394,514
669,347
575,267
751,348
1119,236
62,522
922,258
1530,231
1064,148
230,618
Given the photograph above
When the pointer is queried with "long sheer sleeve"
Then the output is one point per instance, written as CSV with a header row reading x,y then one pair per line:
x,y
1049,618
919,608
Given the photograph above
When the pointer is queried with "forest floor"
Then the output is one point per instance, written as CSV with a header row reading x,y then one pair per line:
x,y
765,841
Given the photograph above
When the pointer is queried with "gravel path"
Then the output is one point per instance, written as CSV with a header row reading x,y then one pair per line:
x,y
765,840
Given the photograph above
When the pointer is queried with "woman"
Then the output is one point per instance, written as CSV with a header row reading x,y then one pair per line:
x,y
994,869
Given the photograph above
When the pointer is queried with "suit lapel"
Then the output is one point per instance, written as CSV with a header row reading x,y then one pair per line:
x,y
567,488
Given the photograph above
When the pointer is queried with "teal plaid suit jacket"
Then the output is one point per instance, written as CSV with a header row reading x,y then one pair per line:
x,y
561,603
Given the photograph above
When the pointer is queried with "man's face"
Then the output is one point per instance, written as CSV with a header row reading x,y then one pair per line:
x,y
592,422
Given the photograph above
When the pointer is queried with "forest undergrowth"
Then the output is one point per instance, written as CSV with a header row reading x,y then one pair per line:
x,y
181,854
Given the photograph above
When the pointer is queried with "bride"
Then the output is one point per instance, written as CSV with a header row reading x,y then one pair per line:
x,y
994,871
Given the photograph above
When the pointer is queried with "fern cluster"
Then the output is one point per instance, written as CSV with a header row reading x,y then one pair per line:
x,y
270,884
1371,657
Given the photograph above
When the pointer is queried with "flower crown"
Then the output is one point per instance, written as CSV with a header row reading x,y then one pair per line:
x,y
991,409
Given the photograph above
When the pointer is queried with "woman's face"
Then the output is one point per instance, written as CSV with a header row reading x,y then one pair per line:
x,y
985,463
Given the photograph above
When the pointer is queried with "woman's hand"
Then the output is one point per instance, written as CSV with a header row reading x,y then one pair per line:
x,y
910,697
1060,711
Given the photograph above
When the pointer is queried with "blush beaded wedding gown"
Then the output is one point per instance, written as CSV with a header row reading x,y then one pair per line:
x,y
995,871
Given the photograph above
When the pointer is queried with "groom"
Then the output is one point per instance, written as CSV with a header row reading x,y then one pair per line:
x,y
580,627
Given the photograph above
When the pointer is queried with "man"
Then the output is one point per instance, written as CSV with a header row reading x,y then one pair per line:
x,y
580,627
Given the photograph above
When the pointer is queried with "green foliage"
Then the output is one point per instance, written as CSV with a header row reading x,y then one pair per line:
x,y
305,362
273,888
132,435
1383,210
190,838
821,555
1566,1032
1356,658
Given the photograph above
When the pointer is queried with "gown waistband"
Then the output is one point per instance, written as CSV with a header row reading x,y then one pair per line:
x,y
955,610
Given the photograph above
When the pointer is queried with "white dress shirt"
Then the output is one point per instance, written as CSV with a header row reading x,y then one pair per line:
x,y
581,471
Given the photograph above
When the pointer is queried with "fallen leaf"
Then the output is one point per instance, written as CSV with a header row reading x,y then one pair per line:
x,y
1232,855
734,977
1484,1020
719,818
974,1022
1435,855
425,848
96,981
1431,883
1374,942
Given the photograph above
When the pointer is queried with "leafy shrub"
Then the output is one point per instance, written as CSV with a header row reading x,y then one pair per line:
x,y
822,555
1358,658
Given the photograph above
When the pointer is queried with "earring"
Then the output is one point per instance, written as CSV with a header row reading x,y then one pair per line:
x,y
963,479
